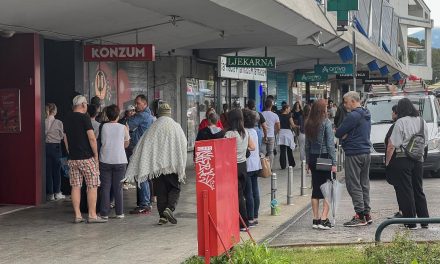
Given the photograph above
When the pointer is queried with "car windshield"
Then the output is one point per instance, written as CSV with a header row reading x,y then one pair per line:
x,y
381,110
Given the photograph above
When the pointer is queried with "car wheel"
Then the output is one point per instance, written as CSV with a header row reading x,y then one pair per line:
x,y
435,174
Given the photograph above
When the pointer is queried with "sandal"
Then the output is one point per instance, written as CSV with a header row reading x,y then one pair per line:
x,y
78,220
96,220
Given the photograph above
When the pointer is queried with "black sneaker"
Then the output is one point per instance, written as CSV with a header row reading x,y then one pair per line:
x,y
162,221
170,216
396,215
251,224
316,223
325,224
410,226
141,210
368,219
425,226
357,220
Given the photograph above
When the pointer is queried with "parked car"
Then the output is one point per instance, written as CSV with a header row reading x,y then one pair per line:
x,y
380,109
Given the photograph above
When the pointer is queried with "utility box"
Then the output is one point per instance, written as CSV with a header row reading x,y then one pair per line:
x,y
217,196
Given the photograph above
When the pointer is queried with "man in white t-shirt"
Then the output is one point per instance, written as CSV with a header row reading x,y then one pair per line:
x,y
273,127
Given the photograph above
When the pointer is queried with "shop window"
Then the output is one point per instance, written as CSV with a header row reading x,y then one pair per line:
x,y
116,82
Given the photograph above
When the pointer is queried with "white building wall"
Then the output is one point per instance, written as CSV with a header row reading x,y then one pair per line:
x,y
409,21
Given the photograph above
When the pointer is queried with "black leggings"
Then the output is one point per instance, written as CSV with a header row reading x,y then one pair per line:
x,y
242,175
283,150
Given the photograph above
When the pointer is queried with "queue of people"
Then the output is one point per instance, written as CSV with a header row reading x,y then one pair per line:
x,y
151,149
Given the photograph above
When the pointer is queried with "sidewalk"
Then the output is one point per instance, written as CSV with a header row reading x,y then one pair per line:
x,y
45,234
383,204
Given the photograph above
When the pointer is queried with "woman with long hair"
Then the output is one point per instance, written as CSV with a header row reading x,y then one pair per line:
x,y
54,133
406,174
285,137
298,118
244,143
319,143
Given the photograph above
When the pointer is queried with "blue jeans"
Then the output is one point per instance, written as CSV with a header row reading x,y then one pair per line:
x,y
143,194
53,168
260,136
252,195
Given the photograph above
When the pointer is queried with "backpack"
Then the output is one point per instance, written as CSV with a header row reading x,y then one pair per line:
x,y
415,149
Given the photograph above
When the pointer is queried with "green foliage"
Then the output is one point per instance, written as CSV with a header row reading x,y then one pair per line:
x,y
328,255
403,251
400,251
248,253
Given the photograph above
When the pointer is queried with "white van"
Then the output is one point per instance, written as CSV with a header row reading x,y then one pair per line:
x,y
380,109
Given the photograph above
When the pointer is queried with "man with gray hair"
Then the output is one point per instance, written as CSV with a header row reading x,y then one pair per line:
x,y
83,160
354,133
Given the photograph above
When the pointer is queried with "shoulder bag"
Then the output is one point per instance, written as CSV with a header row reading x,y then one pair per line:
x,y
265,171
323,164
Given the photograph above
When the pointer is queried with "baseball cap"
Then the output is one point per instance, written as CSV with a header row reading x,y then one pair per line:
x,y
79,100
130,108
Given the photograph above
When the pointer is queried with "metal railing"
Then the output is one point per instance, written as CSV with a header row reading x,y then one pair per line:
x,y
384,224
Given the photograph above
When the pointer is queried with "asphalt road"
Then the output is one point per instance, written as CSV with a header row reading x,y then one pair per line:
x,y
383,203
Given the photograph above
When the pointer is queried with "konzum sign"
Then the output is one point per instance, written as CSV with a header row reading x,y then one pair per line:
x,y
119,52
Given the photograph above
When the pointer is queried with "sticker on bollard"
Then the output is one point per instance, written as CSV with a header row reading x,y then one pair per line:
x,y
274,205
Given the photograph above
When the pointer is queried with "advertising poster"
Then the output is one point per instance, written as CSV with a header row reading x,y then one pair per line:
x,y
10,111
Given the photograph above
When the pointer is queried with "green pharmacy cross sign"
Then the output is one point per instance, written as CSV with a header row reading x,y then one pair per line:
x,y
342,7
250,62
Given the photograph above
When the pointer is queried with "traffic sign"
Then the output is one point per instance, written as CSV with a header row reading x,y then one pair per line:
x,y
334,68
375,81
310,77
359,75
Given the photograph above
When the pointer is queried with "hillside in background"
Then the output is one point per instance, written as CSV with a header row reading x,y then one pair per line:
x,y
435,36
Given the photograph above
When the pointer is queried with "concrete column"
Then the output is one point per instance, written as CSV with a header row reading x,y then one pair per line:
x,y
428,47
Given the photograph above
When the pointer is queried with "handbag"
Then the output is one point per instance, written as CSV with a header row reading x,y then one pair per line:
x,y
323,164
265,171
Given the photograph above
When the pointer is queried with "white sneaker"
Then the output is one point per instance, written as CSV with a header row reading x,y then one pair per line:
x,y
50,197
120,216
59,196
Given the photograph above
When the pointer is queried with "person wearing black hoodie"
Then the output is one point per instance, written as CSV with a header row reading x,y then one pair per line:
x,y
355,132
212,131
